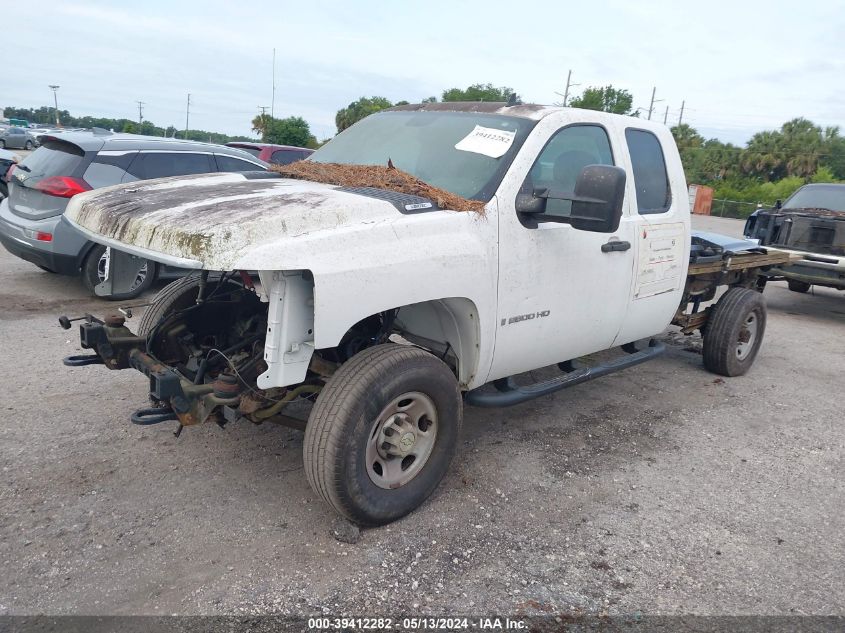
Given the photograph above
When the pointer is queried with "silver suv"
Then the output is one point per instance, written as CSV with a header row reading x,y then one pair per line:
x,y
31,222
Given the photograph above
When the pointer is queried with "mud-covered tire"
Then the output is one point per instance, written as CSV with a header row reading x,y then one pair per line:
x,y
176,295
91,276
342,422
734,332
798,286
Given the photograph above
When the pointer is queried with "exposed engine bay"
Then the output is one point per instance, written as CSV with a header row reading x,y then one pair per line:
x,y
202,345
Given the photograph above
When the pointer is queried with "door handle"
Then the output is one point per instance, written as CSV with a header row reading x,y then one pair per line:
x,y
615,245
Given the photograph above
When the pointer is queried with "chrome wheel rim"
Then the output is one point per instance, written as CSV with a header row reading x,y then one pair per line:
x,y
103,270
747,336
401,440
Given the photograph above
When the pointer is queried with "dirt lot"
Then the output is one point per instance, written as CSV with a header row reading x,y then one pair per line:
x,y
662,489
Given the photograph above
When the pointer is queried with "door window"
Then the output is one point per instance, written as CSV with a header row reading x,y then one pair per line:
x,y
108,169
230,163
160,164
650,178
562,159
286,157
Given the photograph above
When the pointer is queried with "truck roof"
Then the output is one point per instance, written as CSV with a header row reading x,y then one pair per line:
x,y
533,111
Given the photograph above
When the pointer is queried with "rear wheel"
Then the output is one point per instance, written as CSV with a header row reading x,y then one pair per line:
x,y
734,332
2,144
797,286
94,273
382,433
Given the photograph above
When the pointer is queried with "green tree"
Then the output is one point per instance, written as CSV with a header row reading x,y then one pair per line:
x,y
290,131
261,124
835,155
606,99
357,110
797,149
689,143
479,92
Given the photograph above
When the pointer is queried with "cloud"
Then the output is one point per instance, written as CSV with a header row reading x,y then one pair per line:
x,y
739,67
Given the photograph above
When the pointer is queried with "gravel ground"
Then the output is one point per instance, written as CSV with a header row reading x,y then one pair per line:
x,y
660,490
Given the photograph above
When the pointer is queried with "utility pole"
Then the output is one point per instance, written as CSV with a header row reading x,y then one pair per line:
x,y
141,105
273,97
56,102
666,115
569,85
187,115
263,110
653,101
681,116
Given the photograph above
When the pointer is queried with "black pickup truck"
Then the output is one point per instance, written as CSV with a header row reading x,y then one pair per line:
x,y
811,223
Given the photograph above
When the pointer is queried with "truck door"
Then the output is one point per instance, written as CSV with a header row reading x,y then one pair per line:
x,y
561,295
662,241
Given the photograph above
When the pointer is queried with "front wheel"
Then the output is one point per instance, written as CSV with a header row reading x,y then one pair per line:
x,y
94,273
28,145
382,433
734,332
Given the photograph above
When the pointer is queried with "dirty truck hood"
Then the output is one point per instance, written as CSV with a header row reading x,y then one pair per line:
x,y
210,221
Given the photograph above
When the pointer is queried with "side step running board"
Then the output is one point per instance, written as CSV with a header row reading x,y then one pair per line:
x,y
509,393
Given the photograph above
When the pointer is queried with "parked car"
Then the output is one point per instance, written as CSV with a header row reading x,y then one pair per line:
x,y
811,223
39,132
31,222
7,159
18,138
274,154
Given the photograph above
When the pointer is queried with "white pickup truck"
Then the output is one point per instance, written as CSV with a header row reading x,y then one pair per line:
x,y
389,312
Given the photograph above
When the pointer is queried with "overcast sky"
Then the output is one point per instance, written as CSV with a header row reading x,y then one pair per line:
x,y
741,66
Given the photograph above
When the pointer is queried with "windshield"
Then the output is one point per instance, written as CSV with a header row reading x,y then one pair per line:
x,y
54,158
252,150
423,144
831,197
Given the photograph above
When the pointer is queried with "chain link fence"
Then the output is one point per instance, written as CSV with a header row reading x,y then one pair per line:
x,y
734,208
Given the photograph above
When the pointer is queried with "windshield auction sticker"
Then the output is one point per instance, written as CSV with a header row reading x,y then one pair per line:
x,y
487,140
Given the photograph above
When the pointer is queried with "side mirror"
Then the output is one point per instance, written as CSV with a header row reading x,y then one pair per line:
x,y
596,201
530,203
599,194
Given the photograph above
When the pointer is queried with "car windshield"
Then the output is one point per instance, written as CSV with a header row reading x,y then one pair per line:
x,y
831,197
465,153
